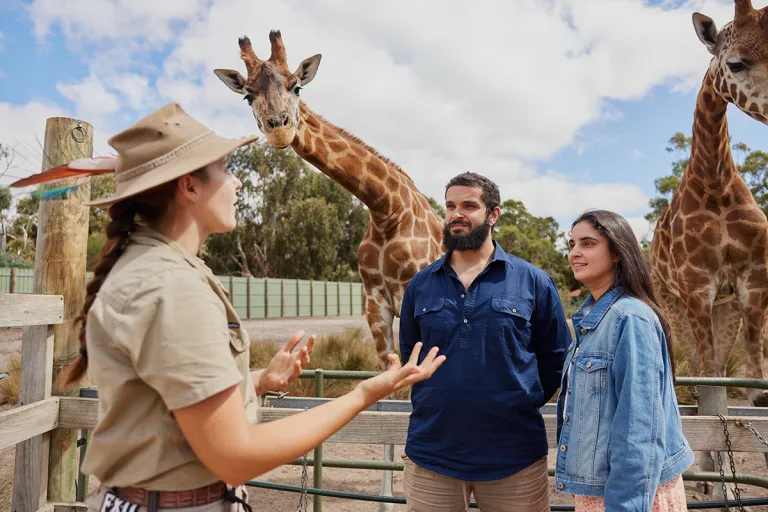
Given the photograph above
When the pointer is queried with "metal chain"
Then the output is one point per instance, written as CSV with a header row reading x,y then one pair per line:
x,y
736,490
752,429
303,494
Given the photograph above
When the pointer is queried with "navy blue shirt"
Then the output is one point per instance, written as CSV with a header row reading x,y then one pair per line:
x,y
477,418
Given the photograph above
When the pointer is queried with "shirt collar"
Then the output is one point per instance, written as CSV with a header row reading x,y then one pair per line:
x,y
498,255
144,235
591,313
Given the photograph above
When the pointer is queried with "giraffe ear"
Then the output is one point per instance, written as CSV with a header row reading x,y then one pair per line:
x,y
706,30
307,69
233,79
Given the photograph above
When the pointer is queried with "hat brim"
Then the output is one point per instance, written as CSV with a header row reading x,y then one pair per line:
x,y
200,156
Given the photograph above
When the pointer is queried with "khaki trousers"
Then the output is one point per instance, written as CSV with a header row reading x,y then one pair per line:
x,y
96,500
525,491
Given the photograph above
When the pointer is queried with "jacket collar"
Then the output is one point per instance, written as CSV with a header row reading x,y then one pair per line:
x,y
591,313
144,235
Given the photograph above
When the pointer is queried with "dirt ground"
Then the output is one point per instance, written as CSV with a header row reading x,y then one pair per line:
x,y
348,480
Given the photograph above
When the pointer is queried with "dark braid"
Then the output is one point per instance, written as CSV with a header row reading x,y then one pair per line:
x,y
123,215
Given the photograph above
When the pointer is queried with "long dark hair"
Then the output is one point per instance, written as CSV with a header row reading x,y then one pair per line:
x,y
633,272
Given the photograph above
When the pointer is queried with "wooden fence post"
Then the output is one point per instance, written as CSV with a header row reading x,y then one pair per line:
x,y
60,260
13,280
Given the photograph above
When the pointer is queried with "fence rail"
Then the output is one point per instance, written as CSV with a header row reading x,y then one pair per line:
x,y
252,297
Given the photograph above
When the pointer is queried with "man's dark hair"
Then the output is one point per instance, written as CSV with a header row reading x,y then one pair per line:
x,y
491,196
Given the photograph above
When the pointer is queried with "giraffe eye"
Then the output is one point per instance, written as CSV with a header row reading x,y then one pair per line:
x,y
736,66
249,98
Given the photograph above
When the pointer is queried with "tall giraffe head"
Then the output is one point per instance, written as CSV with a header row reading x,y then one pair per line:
x,y
271,89
739,66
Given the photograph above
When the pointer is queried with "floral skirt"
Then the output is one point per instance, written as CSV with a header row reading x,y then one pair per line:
x,y
670,497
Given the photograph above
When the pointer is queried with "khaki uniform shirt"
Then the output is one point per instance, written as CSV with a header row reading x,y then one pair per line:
x,y
161,335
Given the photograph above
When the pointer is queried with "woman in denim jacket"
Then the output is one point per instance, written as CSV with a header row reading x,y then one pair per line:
x,y
621,444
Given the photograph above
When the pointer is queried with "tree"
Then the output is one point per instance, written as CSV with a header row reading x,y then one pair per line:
x,y
273,237
22,232
753,168
439,209
535,239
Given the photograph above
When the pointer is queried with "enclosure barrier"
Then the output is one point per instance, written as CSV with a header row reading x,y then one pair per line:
x,y
254,298
386,422
40,415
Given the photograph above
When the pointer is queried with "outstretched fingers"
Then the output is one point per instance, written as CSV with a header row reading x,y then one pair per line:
x,y
295,339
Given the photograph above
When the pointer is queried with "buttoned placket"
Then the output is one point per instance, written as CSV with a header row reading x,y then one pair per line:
x,y
467,303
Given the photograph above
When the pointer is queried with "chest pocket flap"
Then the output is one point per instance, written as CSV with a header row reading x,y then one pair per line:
x,y
512,306
429,305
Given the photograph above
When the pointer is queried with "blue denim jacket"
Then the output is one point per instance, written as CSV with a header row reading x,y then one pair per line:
x,y
619,431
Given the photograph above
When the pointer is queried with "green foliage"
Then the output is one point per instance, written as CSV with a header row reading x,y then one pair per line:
x,y
439,208
292,221
5,199
9,260
535,239
753,168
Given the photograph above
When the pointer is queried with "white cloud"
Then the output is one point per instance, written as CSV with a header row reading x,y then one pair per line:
x,y
641,227
439,91
91,98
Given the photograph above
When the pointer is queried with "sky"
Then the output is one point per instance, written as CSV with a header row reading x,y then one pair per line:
x,y
566,104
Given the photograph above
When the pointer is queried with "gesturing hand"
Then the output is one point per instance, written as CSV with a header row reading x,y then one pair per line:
x,y
397,376
287,365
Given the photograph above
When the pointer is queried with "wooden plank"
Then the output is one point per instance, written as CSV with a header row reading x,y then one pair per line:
x,y
69,507
31,465
28,421
702,432
19,310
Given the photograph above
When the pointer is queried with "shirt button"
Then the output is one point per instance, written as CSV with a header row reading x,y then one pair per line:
x,y
566,417
560,485
562,447
462,295
465,320
424,309
583,331
514,310
589,364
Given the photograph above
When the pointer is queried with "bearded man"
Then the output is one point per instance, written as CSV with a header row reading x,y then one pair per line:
x,y
476,426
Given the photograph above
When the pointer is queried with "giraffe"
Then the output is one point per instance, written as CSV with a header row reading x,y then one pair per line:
x,y
404,233
710,245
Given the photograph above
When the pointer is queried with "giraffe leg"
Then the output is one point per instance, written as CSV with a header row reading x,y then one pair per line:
x,y
726,320
755,309
378,314
682,335
698,311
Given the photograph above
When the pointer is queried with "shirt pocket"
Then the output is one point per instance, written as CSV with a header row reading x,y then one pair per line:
x,y
429,312
510,323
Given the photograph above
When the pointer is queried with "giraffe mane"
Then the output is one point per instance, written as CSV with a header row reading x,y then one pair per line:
x,y
352,138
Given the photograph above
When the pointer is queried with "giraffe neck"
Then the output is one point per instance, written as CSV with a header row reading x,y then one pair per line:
x,y
377,182
711,160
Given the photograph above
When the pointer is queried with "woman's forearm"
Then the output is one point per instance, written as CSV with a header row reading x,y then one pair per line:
x,y
269,445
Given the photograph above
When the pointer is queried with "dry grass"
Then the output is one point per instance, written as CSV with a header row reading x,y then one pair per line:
x,y
349,350
9,386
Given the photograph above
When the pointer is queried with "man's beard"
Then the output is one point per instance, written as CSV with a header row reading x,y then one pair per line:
x,y
470,241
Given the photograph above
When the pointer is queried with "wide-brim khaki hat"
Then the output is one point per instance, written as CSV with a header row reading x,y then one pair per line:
x,y
163,146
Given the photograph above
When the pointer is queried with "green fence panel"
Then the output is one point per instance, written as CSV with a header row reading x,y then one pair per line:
x,y
318,298
332,299
290,298
258,301
305,297
5,280
357,299
273,294
239,295
345,300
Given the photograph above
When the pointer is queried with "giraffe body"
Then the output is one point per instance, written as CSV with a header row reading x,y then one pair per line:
x,y
404,232
709,251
